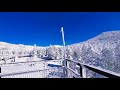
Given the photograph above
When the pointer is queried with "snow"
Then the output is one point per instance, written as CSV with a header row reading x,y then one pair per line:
x,y
7,69
22,66
101,51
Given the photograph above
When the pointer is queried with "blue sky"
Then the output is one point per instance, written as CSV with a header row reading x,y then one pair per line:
x,y
43,28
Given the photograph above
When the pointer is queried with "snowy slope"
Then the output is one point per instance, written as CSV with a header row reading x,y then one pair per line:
x,y
102,50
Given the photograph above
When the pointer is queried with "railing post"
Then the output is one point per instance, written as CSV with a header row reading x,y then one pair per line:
x,y
84,75
83,71
80,70
64,64
44,69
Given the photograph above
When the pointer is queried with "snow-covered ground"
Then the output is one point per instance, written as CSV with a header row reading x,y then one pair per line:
x,y
28,64
16,68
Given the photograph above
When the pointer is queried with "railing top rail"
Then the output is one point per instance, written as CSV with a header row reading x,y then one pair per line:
x,y
34,61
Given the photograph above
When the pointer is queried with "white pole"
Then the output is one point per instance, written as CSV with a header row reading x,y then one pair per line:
x,y
64,61
63,36
63,40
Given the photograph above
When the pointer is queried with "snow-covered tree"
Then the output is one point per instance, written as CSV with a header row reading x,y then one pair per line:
x,y
107,59
55,52
69,53
117,58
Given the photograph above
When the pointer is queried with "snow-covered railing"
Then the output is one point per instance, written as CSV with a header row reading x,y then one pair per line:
x,y
13,57
43,73
42,61
28,74
83,73
72,73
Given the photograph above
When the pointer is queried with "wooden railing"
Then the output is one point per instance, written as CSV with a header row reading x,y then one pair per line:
x,y
28,74
70,73
31,74
67,70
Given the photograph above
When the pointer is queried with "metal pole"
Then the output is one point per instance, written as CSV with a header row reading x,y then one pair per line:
x,y
63,40
64,61
63,36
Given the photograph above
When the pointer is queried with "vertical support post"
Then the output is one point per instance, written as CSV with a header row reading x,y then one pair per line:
x,y
64,69
83,72
80,70
64,61
44,70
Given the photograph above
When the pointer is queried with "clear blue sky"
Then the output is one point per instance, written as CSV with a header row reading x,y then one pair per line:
x,y
43,28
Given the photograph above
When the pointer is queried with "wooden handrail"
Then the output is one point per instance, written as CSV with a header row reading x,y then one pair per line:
x,y
99,70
